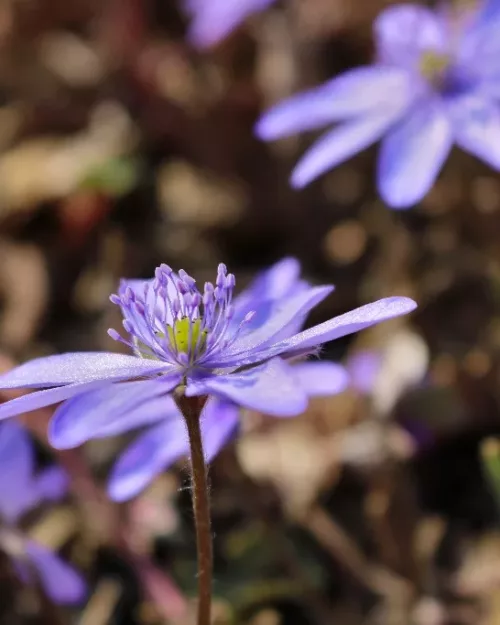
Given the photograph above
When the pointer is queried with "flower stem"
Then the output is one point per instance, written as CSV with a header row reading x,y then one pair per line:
x,y
191,408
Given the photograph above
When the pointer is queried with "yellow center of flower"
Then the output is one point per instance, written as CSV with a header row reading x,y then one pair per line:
x,y
187,334
433,64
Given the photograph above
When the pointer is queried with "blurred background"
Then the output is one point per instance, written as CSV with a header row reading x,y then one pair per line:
x,y
122,147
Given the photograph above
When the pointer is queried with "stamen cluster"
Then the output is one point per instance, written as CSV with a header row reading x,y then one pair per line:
x,y
169,319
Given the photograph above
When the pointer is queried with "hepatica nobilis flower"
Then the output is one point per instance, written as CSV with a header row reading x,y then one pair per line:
x,y
158,447
189,341
21,490
435,83
213,20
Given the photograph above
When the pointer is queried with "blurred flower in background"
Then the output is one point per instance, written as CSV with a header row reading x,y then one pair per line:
x,y
435,83
212,20
21,491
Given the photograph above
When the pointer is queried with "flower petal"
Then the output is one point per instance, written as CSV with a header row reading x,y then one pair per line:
x,y
265,295
285,313
148,456
476,124
79,367
280,280
404,31
364,367
356,92
219,421
17,494
52,483
352,321
339,144
62,583
413,153
214,20
40,399
321,378
269,388
107,411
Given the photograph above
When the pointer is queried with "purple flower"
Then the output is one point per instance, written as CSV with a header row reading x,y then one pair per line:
x,y
158,447
213,20
21,490
435,83
197,341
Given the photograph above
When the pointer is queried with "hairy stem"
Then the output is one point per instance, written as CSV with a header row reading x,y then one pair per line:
x,y
191,408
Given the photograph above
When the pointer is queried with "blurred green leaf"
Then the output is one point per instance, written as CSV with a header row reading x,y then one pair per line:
x,y
114,177
490,456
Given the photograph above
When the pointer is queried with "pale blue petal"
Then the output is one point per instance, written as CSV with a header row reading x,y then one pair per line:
x,y
357,92
40,399
79,367
108,411
340,144
364,367
147,457
404,31
284,314
219,422
213,20
17,494
62,583
476,126
413,153
348,323
266,294
270,388
281,280
321,378
52,483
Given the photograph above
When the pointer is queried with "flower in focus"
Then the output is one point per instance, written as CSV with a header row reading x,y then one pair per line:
x,y
21,490
435,83
157,448
213,20
198,343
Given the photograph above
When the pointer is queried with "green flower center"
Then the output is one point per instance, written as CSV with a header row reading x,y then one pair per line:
x,y
187,335
433,65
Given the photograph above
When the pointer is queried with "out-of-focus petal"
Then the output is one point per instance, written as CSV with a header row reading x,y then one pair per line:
x,y
52,484
340,144
107,411
219,421
476,126
321,378
266,294
213,20
413,153
361,91
17,494
148,456
270,388
62,583
77,368
404,31
279,281
364,367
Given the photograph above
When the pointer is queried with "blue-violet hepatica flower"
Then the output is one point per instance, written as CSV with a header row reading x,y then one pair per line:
x,y
435,83
21,490
213,20
156,448
187,340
